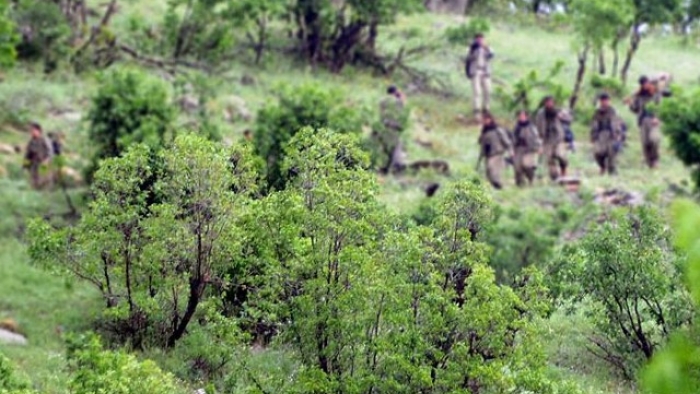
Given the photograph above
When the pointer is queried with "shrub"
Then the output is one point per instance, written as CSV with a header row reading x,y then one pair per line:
x,y
464,33
130,107
9,382
45,32
627,271
95,370
610,85
298,107
681,123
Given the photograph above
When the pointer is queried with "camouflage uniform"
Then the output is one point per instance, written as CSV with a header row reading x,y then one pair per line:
x,y
527,143
478,69
394,117
606,131
648,125
555,146
495,143
38,154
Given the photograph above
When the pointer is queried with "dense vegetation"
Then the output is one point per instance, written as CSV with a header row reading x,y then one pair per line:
x,y
214,246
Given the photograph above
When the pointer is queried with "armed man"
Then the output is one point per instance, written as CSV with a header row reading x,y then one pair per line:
x,y
606,132
387,136
495,145
38,155
478,70
549,125
648,123
527,145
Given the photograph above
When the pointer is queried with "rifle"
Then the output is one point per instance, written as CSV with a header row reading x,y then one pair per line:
x,y
479,160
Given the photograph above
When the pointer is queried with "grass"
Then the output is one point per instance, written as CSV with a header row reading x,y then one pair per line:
x,y
41,302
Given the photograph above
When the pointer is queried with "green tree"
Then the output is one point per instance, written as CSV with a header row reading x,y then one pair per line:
x,y
8,36
681,117
596,23
675,368
159,235
298,106
45,32
629,273
256,17
9,382
130,107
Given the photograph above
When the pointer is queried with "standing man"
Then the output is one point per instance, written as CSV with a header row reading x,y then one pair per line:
x,y
606,132
646,120
527,144
495,144
394,119
478,69
549,125
38,155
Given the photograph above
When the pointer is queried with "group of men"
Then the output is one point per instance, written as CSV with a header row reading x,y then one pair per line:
x,y
549,136
39,155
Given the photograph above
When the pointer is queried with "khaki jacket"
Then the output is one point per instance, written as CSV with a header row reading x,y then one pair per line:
x,y
551,130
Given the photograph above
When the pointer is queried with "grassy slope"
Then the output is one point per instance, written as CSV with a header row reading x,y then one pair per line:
x,y
41,302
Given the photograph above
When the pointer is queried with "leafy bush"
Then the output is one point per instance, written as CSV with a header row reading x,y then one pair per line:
x,y
626,269
130,107
157,239
95,370
527,93
681,123
610,85
298,107
9,382
464,33
45,32
8,36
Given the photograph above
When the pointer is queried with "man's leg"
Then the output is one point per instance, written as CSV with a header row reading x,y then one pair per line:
x,y
476,98
486,92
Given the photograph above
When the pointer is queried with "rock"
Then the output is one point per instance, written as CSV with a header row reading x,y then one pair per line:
x,y
235,108
10,338
7,149
248,80
616,197
189,103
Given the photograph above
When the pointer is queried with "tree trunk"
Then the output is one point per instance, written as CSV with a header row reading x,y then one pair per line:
x,y
601,62
582,60
197,286
616,56
635,39
349,38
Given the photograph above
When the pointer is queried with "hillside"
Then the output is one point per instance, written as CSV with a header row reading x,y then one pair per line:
x,y
46,305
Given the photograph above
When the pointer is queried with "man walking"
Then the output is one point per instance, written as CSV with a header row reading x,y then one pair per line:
x,y
527,144
606,131
647,121
495,144
548,123
478,70
393,121
38,155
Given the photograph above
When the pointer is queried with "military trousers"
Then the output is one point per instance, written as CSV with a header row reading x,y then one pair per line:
x,y
494,169
606,156
481,89
557,162
651,139
525,163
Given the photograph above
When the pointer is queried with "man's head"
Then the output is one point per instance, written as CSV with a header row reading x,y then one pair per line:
x,y
479,38
392,90
35,129
549,102
523,116
645,83
487,118
604,100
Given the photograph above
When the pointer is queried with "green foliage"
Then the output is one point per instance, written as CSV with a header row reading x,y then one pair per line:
x,y
611,85
524,237
255,16
130,107
464,33
597,22
298,107
45,30
527,93
628,273
675,369
9,382
159,235
95,370
681,123
8,36
198,29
